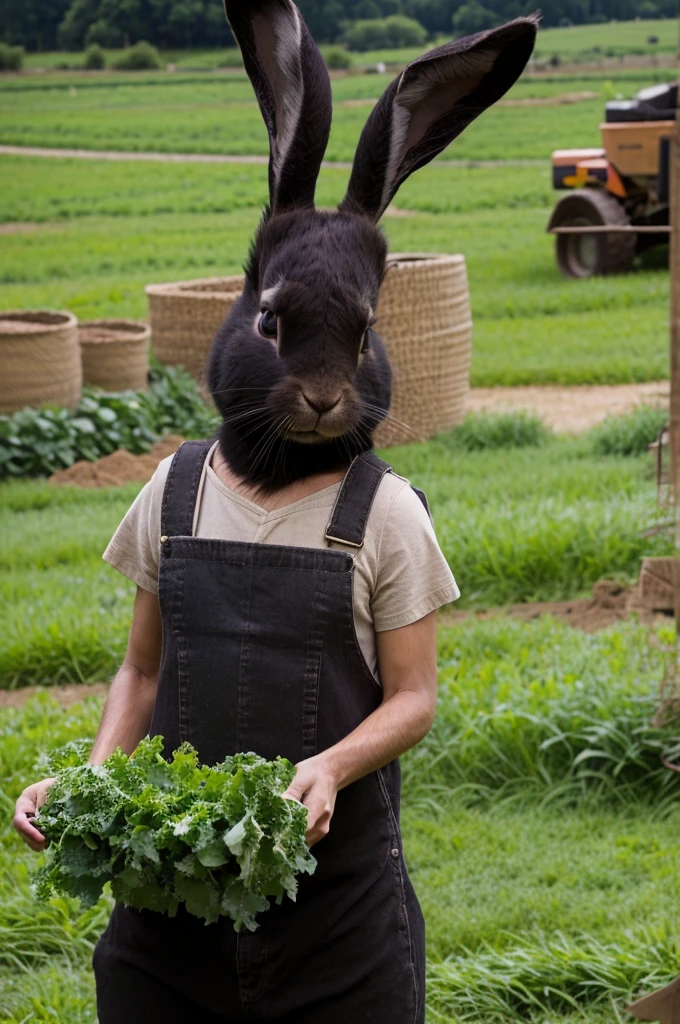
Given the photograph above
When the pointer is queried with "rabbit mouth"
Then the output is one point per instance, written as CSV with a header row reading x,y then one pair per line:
x,y
307,436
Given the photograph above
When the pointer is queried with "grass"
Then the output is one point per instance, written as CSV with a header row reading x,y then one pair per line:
x,y
218,114
631,434
492,430
552,521
89,236
538,712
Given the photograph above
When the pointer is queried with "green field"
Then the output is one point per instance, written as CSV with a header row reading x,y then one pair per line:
x,y
577,43
548,530
88,236
218,114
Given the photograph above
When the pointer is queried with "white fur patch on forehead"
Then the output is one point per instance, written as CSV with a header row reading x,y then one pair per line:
x,y
269,294
278,40
437,88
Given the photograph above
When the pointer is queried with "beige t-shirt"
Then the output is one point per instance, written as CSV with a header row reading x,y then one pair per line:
x,y
400,573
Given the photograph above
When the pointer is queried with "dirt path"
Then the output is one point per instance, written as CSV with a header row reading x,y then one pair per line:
x,y
216,158
571,409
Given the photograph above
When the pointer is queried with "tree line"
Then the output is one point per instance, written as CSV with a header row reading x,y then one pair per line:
x,y
74,24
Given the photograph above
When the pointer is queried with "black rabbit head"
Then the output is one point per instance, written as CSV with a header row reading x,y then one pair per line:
x,y
297,371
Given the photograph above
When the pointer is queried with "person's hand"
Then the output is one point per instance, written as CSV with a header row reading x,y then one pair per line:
x,y
32,798
315,787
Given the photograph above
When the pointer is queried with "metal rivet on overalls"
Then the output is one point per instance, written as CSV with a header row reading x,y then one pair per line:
x,y
395,852
163,540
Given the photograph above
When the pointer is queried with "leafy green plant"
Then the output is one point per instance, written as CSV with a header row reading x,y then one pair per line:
x,y
220,840
40,441
174,404
484,430
630,434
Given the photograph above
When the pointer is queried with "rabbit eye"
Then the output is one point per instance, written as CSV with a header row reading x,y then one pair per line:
x,y
268,325
364,341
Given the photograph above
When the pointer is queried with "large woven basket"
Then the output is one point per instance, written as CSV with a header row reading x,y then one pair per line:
x,y
115,354
39,360
425,321
186,315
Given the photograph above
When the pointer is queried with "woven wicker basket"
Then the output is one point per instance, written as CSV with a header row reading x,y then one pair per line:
x,y
115,354
186,315
39,360
425,321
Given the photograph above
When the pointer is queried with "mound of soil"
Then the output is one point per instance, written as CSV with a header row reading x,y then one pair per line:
x,y
611,602
121,467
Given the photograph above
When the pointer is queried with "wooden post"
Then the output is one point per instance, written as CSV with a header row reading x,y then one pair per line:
x,y
675,354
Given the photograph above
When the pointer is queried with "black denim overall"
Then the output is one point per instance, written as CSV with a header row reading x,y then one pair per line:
x,y
260,653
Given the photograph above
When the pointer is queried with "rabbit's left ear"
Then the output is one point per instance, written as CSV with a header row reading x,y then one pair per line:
x,y
429,104
293,89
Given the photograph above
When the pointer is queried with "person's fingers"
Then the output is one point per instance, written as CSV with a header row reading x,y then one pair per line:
x,y
26,803
298,787
319,816
24,811
28,832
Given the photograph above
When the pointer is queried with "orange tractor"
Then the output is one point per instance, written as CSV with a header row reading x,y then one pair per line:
x,y
618,203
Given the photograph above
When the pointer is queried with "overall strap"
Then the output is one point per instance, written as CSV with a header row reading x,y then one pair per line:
x,y
355,498
181,488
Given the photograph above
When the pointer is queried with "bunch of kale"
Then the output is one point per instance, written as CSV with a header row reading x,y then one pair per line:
x,y
220,840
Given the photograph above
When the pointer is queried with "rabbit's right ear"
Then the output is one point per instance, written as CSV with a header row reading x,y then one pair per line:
x,y
429,104
293,90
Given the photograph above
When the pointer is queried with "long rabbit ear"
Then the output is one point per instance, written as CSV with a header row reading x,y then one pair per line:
x,y
429,104
293,90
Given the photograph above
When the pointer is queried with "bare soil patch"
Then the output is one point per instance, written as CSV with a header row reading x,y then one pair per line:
x,y
611,602
571,410
19,228
66,695
122,467
563,99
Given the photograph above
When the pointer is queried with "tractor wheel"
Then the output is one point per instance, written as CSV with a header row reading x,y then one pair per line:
x,y
589,254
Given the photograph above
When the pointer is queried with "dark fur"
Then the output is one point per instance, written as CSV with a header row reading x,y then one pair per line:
x,y
337,262
310,401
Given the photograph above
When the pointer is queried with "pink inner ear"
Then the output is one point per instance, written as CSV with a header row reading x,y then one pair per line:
x,y
440,99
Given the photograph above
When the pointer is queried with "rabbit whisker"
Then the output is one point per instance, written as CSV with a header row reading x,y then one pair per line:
x,y
393,419
262,448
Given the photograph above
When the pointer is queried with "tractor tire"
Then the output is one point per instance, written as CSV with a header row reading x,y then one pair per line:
x,y
588,255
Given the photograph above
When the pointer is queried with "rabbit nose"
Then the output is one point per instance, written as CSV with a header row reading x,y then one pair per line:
x,y
321,405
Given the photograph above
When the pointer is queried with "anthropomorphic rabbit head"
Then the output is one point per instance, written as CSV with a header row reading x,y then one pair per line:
x,y
297,371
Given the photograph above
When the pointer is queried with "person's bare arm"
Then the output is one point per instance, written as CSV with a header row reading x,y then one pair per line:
x,y
408,672
127,712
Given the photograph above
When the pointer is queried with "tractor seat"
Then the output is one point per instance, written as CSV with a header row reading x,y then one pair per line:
x,y
656,103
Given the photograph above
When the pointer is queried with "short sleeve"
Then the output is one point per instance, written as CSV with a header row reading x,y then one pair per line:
x,y
134,549
413,577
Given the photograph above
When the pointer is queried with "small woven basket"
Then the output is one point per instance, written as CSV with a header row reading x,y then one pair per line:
x,y
185,317
40,360
425,321
115,354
